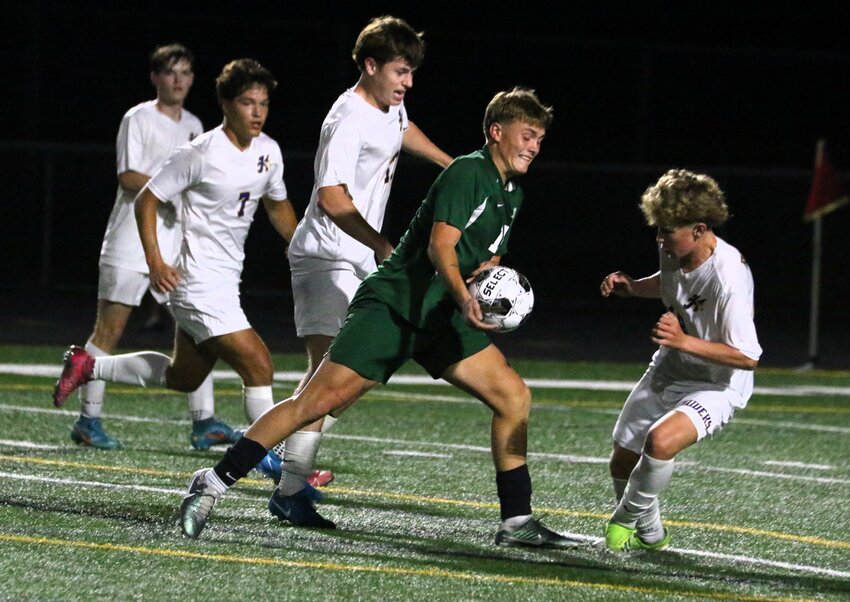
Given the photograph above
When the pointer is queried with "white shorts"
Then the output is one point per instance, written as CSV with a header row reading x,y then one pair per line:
x,y
121,285
208,317
708,410
321,300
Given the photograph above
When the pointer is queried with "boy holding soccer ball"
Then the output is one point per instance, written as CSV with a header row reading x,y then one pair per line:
x,y
703,369
416,306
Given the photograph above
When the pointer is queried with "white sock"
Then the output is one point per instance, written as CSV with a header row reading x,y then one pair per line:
x,y
202,400
619,488
146,368
91,394
256,400
648,479
213,482
299,458
514,521
649,526
328,423
279,450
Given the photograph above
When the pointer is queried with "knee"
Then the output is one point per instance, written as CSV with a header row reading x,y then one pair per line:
x,y
621,463
660,445
515,404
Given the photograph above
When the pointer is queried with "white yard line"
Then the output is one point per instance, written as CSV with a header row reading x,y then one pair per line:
x,y
54,370
577,536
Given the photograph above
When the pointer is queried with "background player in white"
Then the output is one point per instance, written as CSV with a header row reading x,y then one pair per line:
x,y
218,181
703,369
148,133
339,240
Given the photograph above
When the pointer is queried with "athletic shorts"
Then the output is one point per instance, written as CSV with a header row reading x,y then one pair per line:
x,y
709,410
206,317
121,285
375,341
321,300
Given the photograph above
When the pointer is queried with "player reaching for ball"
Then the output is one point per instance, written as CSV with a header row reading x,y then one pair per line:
x,y
416,305
703,369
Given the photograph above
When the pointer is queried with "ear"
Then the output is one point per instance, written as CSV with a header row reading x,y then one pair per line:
x,y
495,131
153,78
699,230
370,66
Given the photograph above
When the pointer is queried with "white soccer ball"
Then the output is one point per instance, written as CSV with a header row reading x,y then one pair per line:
x,y
505,297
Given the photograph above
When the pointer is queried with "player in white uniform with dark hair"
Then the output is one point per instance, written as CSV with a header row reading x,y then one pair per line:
x,y
148,134
703,370
339,241
218,181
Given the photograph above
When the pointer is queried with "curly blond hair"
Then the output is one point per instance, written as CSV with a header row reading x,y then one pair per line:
x,y
681,197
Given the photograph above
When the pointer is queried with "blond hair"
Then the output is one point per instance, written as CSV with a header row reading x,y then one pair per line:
x,y
681,197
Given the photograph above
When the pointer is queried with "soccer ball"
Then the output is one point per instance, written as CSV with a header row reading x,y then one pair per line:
x,y
505,297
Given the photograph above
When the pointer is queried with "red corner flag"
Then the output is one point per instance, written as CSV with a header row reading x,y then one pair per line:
x,y
827,193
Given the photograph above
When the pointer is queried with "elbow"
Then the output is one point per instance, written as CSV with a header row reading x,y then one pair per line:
x,y
749,364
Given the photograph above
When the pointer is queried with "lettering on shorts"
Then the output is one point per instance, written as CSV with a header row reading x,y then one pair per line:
x,y
701,412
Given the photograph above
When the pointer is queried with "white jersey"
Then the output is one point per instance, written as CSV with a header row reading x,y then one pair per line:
x,y
219,189
713,302
146,138
358,148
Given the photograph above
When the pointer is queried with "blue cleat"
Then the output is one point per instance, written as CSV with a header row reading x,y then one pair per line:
x,y
89,431
298,509
209,432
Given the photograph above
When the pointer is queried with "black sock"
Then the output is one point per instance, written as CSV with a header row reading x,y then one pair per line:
x,y
514,489
239,460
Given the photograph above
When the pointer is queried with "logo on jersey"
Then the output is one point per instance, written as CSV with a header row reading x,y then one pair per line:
x,y
264,163
696,302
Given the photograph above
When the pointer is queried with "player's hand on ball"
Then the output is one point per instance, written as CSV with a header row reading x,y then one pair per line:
x,y
618,284
475,317
485,265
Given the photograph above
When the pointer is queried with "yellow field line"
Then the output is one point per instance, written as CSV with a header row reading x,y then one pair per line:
x,y
355,568
817,541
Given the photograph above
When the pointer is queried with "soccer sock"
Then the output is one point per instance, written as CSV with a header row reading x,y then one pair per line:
x,y
647,480
256,400
514,489
328,423
299,458
239,460
619,488
202,400
649,526
91,394
146,368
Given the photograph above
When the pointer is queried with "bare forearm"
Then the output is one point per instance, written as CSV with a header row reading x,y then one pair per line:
x,y
145,209
338,206
133,181
282,217
418,144
444,259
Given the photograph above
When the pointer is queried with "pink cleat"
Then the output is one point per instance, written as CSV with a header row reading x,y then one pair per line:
x,y
79,365
320,478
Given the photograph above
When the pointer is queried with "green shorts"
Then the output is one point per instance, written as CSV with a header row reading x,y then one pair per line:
x,y
375,341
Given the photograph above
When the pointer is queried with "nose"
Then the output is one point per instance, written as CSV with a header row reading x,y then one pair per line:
x,y
407,82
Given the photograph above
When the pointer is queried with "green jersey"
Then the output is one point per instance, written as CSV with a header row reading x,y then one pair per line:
x,y
470,196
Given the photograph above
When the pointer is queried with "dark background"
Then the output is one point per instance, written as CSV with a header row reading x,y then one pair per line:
x,y
741,93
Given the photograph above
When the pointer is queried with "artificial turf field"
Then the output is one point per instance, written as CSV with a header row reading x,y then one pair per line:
x,y
757,513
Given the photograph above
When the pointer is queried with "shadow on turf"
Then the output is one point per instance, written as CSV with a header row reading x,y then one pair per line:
x,y
642,568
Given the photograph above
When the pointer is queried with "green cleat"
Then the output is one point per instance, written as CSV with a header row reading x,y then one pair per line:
x,y
532,534
636,543
617,537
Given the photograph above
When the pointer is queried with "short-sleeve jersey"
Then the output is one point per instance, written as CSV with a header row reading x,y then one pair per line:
x,y
469,195
146,138
219,188
359,147
715,303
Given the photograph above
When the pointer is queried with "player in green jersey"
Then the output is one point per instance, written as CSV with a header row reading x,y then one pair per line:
x,y
416,306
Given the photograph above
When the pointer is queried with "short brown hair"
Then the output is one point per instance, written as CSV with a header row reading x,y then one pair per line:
x,y
518,104
166,55
681,197
241,74
386,39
